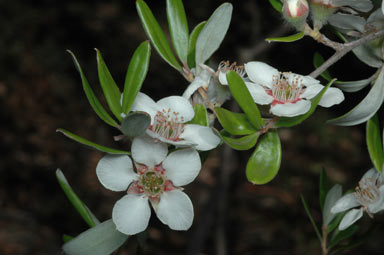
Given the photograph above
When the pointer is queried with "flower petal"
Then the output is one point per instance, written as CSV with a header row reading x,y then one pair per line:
x,y
175,209
115,172
291,110
258,93
261,73
344,203
146,104
204,137
223,78
182,166
379,204
131,214
351,217
309,81
331,97
179,105
371,173
147,151
311,91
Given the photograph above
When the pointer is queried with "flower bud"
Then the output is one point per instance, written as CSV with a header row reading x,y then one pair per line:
x,y
321,10
296,13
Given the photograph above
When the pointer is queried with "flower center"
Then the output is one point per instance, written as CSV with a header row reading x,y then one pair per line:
x,y
152,183
168,124
286,88
225,67
367,192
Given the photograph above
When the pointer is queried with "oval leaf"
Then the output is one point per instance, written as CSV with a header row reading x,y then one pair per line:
x,y
192,44
137,70
201,115
100,240
111,91
353,86
347,22
86,142
234,123
241,143
242,96
81,208
178,26
93,101
213,33
135,124
264,163
318,60
366,108
277,5
290,38
332,196
156,35
374,142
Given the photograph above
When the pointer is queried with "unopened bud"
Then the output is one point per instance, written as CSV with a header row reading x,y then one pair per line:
x,y
296,13
321,10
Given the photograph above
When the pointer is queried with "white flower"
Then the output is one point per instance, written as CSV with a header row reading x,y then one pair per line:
x,y
168,122
225,67
369,196
287,93
296,8
157,180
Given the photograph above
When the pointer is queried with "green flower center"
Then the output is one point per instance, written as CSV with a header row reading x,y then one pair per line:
x,y
152,183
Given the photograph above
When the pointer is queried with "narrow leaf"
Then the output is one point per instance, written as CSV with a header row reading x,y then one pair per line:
x,y
156,35
374,142
353,86
111,91
234,123
241,143
137,70
242,96
264,163
192,44
277,5
93,101
178,27
81,208
201,115
332,196
135,124
86,142
100,240
67,238
366,108
342,235
318,60
290,38
307,210
213,33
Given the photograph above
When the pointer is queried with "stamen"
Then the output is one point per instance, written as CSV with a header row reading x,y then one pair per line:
x,y
225,67
168,124
367,192
286,88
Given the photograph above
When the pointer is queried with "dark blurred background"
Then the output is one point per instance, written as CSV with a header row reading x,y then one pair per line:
x,y
41,91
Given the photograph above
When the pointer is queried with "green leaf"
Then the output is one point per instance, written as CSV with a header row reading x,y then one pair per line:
x,y
111,91
93,101
135,124
374,142
192,44
137,70
339,236
293,121
213,34
156,35
333,195
178,27
290,38
264,163
234,123
86,142
336,221
323,187
277,5
67,238
366,108
81,208
201,115
100,240
318,60
353,86
308,212
241,143
242,96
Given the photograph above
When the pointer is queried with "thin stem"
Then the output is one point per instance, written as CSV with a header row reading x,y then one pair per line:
x,y
324,240
311,218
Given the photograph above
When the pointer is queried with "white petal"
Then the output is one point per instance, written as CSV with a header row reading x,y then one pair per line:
x,y
351,217
331,97
371,173
146,104
344,203
195,84
261,73
223,78
379,204
131,214
147,151
258,94
182,166
291,110
309,81
115,172
177,104
175,209
312,91
204,137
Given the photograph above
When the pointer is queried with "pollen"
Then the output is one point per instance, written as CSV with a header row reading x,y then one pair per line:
x,y
168,124
367,192
286,88
226,66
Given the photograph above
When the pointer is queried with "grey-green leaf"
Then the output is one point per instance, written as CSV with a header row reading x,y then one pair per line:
x,y
361,5
353,86
332,196
366,108
137,70
213,33
178,27
111,91
156,34
86,142
192,44
374,142
93,100
102,239
135,124
347,22
81,208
